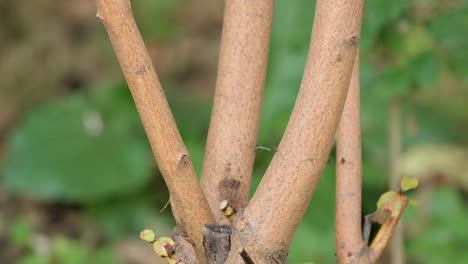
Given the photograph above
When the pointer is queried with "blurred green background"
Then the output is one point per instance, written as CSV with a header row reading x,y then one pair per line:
x,y
77,178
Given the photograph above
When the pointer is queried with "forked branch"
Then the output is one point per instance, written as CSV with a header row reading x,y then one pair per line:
x,y
189,205
348,234
232,137
267,225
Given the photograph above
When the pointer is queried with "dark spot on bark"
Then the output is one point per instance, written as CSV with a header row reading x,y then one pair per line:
x,y
216,242
140,71
350,254
229,190
339,57
381,215
229,183
343,160
352,41
183,159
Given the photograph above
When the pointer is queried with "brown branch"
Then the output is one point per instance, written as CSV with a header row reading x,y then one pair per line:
x,y
184,250
348,232
232,137
396,248
268,223
189,205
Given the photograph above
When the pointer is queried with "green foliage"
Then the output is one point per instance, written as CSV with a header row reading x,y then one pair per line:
x,y
444,236
450,28
408,183
69,251
315,239
162,29
33,259
79,148
20,232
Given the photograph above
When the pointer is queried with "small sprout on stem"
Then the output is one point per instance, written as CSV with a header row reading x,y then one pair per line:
x,y
148,235
163,246
227,208
160,249
408,183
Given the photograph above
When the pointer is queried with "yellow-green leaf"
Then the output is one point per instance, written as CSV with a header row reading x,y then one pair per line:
x,y
408,183
159,248
391,201
147,235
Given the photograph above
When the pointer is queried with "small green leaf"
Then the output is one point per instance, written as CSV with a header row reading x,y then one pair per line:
x,y
168,244
391,201
147,235
408,183
159,248
386,198
167,241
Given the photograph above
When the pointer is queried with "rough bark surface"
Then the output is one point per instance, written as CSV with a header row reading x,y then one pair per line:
x,y
348,233
189,205
217,242
232,136
267,225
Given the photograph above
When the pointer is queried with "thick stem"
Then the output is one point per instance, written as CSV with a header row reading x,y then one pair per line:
x,y
188,202
396,248
348,233
267,225
232,137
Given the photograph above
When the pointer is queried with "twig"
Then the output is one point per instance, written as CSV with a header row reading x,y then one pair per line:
x,y
263,148
230,148
367,229
245,256
385,232
167,145
396,248
282,197
348,234
166,205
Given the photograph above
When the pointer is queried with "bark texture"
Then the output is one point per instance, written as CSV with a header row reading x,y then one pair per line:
x,y
189,205
266,226
217,242
348,233
232,136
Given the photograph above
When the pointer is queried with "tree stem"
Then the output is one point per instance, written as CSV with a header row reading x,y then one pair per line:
x,y
268,223
348,231
232,137
189,205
